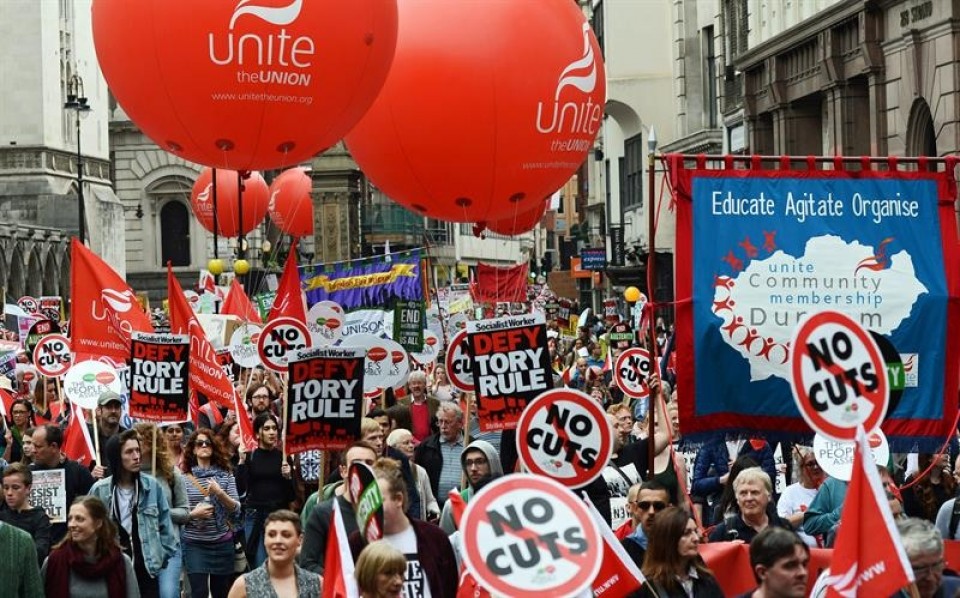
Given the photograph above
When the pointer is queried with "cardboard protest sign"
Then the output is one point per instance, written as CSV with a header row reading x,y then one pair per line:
x,y
52,356
279,340
838,375
630,372
49,491
835,457
525,534
565,435
324,398
326,320
458,361
243,345
622,336
387,365
408,324
87,380
511,366
159,377
225,361
365,494
40,329
428,353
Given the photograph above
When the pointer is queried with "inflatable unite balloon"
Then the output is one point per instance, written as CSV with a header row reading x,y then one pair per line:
x,y
520,222
245,84
291,207
256,198
489,107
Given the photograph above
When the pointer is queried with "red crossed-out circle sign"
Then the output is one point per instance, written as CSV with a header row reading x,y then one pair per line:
x,y
526,534
839,376
459,364
279,339
630,372
52,355
565,434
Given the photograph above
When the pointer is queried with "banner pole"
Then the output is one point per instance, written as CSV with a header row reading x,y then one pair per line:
x,y
59,386
283,402
96,437
153,452
652,323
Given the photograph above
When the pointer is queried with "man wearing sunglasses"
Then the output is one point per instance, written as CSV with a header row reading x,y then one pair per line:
x,y
651,497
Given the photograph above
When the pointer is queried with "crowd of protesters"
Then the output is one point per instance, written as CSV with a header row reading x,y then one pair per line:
x,y
187,509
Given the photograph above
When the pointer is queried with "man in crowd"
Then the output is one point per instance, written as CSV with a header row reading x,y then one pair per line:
x,y
779,559
646,500
17,511
423,407
140,510
440,453
47,443
924,547
481,465
317,528
109,410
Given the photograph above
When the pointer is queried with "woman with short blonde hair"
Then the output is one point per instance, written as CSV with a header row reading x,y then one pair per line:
x,y
380,571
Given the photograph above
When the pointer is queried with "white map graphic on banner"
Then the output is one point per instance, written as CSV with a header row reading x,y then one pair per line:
x,y
761,306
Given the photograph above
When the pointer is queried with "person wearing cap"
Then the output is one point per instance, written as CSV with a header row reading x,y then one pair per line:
x,y
109,410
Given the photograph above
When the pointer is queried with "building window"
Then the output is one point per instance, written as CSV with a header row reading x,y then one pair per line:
x,y
631,172
709,59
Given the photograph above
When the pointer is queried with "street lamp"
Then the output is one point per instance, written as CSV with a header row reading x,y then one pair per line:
x,y
77,101
652,284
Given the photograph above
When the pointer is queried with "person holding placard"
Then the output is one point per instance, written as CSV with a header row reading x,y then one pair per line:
x,y
108,413
47,443
423,407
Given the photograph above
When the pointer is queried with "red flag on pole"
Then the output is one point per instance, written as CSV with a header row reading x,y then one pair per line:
x,y
77,445
338,580
290,302
501,285
238,304
206,375
868,557
104,309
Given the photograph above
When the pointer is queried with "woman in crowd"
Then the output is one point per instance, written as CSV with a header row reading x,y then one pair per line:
x,y
21,418
728,498
925,491
402,441
429,554
754,491
380,571
88,561
229,439
441,387
280,575
797,497
269,483
672,564
45,400
172,485
27,458
173,434
207,540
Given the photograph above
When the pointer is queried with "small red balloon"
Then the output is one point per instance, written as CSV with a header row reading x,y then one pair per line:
x,y
291,207
255,199
245,84
488,107
519,223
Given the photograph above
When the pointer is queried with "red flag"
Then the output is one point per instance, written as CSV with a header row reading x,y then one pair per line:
x,y
238,304
77,444
206,375
468,586
868,557
104,310
608,361
290,302
496,285
338,580
619,576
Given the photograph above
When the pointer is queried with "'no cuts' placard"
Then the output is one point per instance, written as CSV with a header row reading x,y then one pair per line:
x,y
511,367
526,535
458,361
158,377
839,377
324,398
565,435
280,339
52,356
630,372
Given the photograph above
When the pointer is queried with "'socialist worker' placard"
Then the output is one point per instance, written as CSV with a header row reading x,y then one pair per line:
x,y
324,398
49,491
511,367
158,377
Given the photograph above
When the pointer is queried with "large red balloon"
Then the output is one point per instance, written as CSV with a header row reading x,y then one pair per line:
x,y
245,85
291,207
255,199
487,104
519,222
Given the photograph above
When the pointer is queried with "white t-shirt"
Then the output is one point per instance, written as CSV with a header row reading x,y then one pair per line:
x,y
125,506
415,581
618,484
796,499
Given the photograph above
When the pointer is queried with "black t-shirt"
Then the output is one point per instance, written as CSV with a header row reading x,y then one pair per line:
x,y
635,453
266,486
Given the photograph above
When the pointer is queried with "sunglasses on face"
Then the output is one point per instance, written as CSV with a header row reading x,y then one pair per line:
x,y
204,443
657,505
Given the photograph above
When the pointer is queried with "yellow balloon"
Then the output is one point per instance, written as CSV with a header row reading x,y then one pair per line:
x,y
241,267
631,294
215,266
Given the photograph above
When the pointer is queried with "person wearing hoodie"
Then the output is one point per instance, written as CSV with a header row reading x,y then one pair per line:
x,y
139,508
480,463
